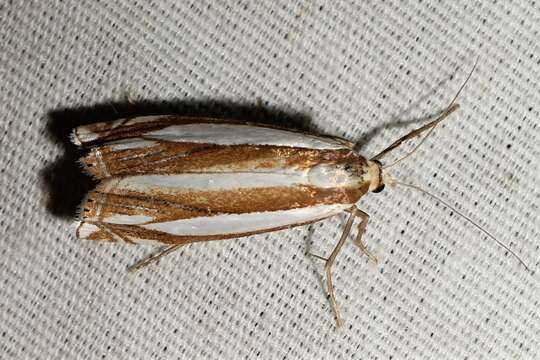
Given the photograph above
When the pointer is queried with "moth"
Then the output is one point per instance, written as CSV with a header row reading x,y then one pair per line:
x,y
178,180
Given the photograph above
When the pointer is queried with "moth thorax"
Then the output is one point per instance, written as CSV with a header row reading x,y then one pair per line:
x,y
373,175
335,175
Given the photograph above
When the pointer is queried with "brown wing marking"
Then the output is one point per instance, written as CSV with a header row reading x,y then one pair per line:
x,y
160,207
165,157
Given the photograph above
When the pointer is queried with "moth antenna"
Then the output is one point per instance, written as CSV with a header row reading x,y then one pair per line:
x,y
430,126
500,243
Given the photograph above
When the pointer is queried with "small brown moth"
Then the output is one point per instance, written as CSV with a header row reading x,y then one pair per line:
x,y
178,180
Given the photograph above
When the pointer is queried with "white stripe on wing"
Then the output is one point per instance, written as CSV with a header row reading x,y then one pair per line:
x,y
247,222
236,134
208,181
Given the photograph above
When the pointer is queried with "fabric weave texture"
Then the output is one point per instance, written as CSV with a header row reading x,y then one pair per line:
x,y
367,71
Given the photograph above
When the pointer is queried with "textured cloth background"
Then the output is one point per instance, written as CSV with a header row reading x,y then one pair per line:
x,y
367,71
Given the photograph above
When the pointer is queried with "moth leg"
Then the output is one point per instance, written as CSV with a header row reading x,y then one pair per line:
x,y
364,217
142,263
328,269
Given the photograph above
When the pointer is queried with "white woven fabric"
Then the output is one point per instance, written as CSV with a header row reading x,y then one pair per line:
x,y
365,71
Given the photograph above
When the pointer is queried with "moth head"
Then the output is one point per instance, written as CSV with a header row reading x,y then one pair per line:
x,y
374,176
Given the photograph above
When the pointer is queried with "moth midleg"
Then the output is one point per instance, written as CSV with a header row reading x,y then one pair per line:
x,y
328,268
155,257
364,218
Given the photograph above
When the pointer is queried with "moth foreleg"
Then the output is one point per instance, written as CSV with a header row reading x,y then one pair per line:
x,y
364,217
142,263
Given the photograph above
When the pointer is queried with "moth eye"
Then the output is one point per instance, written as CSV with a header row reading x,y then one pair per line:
x,y
379,189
